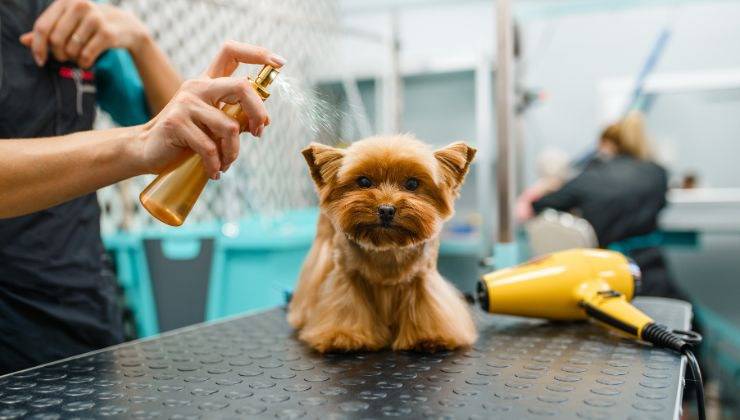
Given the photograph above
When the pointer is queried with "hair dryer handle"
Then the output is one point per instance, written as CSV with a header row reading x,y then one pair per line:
x,y
612,308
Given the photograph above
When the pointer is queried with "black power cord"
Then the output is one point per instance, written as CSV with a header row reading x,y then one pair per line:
x,y
696,374
680,341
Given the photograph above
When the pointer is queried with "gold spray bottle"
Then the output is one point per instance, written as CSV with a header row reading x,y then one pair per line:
x,y
171,195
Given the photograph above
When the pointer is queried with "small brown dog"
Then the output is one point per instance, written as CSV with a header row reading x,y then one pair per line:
x,y
370,280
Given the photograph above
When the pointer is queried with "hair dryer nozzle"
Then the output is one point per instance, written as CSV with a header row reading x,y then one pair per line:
x,y
482,295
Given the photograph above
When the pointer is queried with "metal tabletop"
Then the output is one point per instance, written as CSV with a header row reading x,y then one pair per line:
x,y
253,366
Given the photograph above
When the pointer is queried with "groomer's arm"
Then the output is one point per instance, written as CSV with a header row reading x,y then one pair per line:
x,y
39,173
564,199
159,77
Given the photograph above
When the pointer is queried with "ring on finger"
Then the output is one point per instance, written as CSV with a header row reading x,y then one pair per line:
x,y
76,39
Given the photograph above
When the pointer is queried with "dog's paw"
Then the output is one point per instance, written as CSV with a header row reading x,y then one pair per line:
x,y
296,319
433,343
341,341
429,346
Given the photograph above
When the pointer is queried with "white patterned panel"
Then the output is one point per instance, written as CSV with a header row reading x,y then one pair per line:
x,y
270,174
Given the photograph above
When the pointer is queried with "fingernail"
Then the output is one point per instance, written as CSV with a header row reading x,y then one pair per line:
x,y
278,59
38,59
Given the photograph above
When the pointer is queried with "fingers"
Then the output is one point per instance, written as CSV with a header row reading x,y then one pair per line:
x,y
82,34
223,129
237,90
65,26
26,39
42,28
232,53
97,44
254,109
194,137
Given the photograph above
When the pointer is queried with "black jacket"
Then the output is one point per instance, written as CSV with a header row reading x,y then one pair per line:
x,y
57,292
621,197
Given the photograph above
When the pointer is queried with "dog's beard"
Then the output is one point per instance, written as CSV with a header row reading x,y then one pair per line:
x,y
378,235
405,230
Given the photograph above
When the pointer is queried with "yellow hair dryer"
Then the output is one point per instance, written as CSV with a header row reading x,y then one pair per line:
x,y
577,284
581,284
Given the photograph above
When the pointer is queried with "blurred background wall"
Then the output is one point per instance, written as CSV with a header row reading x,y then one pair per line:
x,y
569,48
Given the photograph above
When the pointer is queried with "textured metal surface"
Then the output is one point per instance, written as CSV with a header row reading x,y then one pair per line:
x,y
253,367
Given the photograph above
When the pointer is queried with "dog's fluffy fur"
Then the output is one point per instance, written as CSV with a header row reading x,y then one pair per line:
x,y
368,285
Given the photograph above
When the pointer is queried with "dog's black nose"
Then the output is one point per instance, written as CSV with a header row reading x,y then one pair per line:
x,y
386,213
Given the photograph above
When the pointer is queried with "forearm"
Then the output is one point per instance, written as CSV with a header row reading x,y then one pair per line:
x,y
558,200
160,78
39,173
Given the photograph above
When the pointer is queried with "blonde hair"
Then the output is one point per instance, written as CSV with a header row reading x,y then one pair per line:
x,y
628,136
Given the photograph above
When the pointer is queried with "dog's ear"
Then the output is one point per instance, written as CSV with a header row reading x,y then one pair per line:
x,y
323,161
454,161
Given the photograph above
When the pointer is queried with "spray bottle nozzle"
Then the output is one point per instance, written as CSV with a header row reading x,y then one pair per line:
x,y
264,78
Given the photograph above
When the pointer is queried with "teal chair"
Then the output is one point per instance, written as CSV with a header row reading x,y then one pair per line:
x,y
256,266
142,259
133,275
179,271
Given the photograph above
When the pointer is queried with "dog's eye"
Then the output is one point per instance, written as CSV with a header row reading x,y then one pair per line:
x,y
411,184
364,182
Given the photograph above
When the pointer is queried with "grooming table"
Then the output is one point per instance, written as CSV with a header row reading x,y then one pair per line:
x,y
252,366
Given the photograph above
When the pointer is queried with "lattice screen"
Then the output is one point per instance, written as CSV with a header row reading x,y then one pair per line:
x,y
270,174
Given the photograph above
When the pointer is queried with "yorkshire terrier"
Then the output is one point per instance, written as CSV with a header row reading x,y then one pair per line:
x,y
370,280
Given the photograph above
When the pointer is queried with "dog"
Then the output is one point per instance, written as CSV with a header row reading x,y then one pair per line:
x,y
370,280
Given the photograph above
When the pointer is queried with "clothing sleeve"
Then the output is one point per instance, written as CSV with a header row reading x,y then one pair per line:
x,y
663,186
564,199
120,91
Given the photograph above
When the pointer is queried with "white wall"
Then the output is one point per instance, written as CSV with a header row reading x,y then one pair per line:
x,y
566,55
581,50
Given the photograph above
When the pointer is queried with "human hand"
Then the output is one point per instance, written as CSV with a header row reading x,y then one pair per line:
x,y
80,30
192,119
253,117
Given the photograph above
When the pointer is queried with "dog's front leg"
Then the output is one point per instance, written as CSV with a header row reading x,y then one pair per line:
x,y
433,316
343,320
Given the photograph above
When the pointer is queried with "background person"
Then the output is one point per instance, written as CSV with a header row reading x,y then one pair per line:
x,y
620,193
553,170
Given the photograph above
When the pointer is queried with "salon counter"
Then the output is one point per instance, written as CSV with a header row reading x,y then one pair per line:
x,y
253,366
